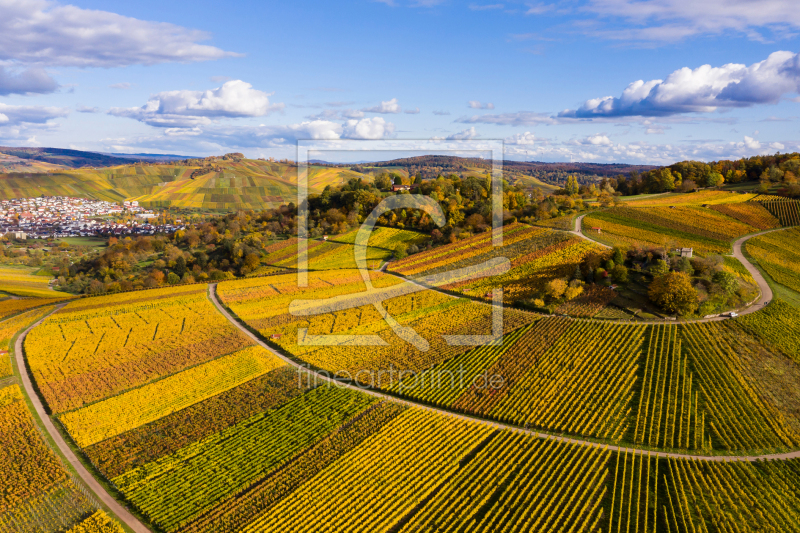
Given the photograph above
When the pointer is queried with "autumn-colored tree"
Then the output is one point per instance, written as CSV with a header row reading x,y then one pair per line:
x,y
673,292
555,288
573,292
252,260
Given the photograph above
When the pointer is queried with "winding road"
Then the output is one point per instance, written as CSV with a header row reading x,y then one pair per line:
x,y
578,231
121,512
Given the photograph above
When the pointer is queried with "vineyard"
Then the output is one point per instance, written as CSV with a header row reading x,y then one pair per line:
x,y
12,306
565,223
705,230
386,238
784,209
778,254
38,494
20,281
98,347
432,315
751,213
660,386
200,430
10,326
536,256
323,255
694,198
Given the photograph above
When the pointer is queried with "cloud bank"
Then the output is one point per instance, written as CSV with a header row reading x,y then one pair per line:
x,y
40,32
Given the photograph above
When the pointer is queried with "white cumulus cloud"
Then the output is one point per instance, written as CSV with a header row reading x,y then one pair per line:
x,y
751,143
474,104
703,89
367,128
388,107
233,99
463,135
597,140
521,139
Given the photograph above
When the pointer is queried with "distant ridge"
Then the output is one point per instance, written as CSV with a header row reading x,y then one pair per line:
x,y
63,157
151,157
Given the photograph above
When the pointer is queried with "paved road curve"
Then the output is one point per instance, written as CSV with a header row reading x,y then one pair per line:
x,y
123,514
578,231
323,378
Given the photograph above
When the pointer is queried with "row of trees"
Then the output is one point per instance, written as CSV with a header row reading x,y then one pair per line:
x,y
782,169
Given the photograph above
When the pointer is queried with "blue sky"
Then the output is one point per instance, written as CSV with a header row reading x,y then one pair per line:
x,y
594,80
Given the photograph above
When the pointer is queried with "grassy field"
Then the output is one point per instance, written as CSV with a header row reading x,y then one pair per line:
x,y
95,242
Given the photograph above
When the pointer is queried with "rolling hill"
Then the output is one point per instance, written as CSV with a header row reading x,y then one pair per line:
x,y
213,184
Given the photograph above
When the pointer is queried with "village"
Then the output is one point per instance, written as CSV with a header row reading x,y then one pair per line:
x,y
63,216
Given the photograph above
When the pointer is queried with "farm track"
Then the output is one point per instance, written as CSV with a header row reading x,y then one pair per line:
x,y
497,425
121,513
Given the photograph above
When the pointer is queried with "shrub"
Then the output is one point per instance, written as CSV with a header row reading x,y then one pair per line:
x,y
726,281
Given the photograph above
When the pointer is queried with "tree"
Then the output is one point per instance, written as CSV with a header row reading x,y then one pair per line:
x,y
715,179
578,275
173,278
180,266
573,292
618,256
620,274
572,186
726,281
383,182
673,292
666,180
684,265
659,267
556,288
252,261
